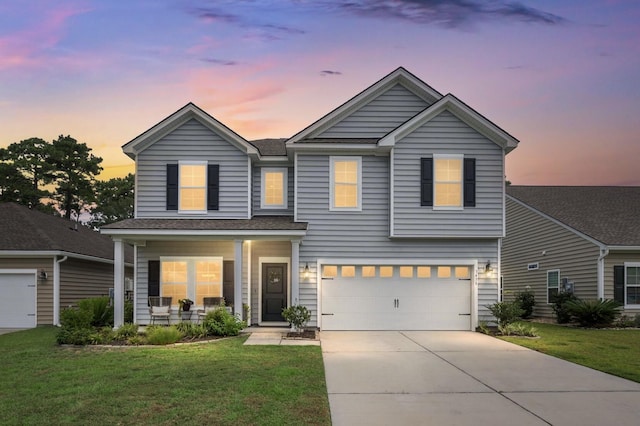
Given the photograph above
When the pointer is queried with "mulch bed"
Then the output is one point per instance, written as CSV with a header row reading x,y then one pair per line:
x,y
306,334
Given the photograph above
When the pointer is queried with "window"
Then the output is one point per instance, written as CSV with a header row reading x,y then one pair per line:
x,y
348,271
274,188
424,271
632,283
192,186
444,271
329,271
346,183
462,272
406,272
448,182
368,271
386,272
553,284
191,278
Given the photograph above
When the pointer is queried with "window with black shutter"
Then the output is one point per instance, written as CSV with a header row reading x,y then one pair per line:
x,y
153,278
172,187
426,181
213,186
469,188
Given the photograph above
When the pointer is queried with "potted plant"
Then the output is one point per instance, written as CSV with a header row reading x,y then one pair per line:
x,y
184,305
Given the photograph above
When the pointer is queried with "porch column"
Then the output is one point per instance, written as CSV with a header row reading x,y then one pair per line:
x,y
237,278
118,283
295,272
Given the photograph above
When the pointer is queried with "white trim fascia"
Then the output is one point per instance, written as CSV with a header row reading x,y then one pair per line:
x,y
285,189
135,284
295,186
136,233
267,259
557,222
135,193
249,278
394,262
398,76
447,236
178,118
600,273
274,159
249,188
504,192
392,198
333,147
624,248
460,110
38,253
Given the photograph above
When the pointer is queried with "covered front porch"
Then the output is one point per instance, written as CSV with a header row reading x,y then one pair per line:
x,y
257,271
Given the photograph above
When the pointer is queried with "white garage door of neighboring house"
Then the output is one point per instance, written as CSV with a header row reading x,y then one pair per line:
x,y
17,299
379,297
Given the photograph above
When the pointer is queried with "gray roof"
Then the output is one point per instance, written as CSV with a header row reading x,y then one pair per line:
x,y
257,223
341,140
23,229
269,147
609,214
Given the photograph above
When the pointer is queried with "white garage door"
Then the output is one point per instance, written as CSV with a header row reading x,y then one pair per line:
x,y
17,300
380,297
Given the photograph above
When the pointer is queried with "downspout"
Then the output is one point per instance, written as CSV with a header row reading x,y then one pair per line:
x,y
604,252
56,289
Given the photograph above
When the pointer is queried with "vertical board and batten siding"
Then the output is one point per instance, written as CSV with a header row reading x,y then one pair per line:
x,y
155,249
618,258
446,134
192,142
365,234
378,117
81,279
44,289
528,235
260,249
257,193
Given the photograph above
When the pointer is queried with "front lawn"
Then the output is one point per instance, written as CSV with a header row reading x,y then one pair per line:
x,y
612,351
221,382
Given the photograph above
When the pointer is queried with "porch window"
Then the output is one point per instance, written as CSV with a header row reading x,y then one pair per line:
x,y
553,283
632,283
346,183
274,188
191,278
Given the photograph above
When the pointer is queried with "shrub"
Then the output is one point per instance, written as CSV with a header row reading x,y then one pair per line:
x,y
593,313
526,300
191,330
559,302
128,311
127,331
636,320
518,329
297,315
505,312
483,327
157,335
75,336
75,318
220,322
100,308
624,321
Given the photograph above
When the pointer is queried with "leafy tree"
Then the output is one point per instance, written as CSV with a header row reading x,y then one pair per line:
x,y
26,171
74,170
113,201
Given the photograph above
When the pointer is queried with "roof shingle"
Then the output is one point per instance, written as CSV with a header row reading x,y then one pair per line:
x,y
257,223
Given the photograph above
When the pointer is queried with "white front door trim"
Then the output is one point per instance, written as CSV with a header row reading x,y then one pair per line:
x,y
262,260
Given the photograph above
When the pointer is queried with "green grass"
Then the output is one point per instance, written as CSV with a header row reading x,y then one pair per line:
x,y
221,382
612,351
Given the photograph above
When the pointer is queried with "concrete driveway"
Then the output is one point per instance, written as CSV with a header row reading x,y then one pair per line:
x,y
464,378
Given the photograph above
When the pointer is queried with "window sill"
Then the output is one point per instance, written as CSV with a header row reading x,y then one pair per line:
x,y
192,212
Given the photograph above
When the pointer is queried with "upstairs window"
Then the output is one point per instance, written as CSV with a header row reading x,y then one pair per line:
x,y
274,188
346,183
192,186
448,182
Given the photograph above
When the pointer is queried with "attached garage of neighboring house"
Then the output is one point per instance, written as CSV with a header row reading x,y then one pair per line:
x,y
397,297
47,264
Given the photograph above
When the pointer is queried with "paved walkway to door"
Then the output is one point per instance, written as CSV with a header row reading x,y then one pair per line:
x,y
464,378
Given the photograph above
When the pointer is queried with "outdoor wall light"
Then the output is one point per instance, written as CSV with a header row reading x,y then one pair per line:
x,y
305,272
42,275
487,267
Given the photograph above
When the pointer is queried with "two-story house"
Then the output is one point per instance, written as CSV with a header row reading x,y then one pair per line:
x,y
387,213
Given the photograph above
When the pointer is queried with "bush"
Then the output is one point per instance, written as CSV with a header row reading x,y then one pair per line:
x,y
220,322
128,311
559,302
297,315
526,300
127,331
157,335
593,313
75,336
75,318
100,308
191,330
518,329
506,312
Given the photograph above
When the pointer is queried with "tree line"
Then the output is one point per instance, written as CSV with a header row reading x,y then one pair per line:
x,y
60,177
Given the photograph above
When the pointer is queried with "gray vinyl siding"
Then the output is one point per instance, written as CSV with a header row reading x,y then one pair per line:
x,y
446,134
528,235
264,249
378,117
81,279
365,234
256,193
44,290
618,258
192,142
156,249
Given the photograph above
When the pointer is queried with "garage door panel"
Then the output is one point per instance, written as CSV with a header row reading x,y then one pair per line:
x,y
17,300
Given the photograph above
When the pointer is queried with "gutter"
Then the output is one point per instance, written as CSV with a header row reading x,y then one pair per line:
x,y
604,252
56,289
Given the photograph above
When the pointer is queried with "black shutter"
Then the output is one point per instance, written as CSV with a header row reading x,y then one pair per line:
x,y
213,186
153,278
172,187
618,284
469,182
426,181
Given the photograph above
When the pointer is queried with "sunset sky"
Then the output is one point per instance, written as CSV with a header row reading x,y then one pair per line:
x,y
561,76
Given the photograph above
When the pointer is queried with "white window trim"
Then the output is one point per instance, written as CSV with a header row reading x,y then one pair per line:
x,y
206,185
632,265
285,183
191,272
547,283
332,160
435,182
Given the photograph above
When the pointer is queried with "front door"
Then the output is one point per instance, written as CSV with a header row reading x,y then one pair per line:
x,y
274,291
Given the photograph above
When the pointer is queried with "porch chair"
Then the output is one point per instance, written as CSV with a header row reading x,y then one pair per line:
x,y
160,307
209,304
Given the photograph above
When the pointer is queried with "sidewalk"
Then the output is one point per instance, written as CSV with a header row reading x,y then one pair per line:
x,y
275,336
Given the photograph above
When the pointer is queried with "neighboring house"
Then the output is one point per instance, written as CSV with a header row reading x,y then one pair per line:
x,y
580,238
48,263
386,213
